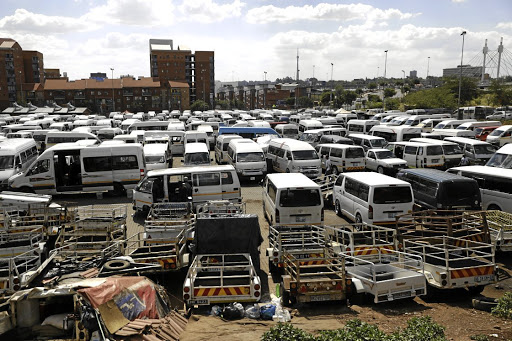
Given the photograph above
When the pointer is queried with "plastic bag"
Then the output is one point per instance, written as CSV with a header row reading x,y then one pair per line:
x,y
216,310
253,312
282,315
233,311
267,311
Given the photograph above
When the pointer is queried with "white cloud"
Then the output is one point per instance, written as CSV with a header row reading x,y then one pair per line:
x,y
323,11
459,1
207,11
504,25
25,21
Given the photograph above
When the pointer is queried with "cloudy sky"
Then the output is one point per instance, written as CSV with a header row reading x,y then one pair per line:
x,y
250,37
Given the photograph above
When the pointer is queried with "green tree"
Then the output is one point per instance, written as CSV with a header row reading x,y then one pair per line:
x,y
392,103
389,92
349,97
372,86
290,101
199,105
431,98
501,93
305,102
373,98
468,89
326,97
223,104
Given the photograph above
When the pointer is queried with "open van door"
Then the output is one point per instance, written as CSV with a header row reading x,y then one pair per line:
x,y
97,169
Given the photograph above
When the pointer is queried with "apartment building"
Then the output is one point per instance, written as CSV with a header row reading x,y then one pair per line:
x,y
181,65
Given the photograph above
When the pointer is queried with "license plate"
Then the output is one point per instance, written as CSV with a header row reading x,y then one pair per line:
x,y
320,298
199,302
401,295
355,163
435,160
392,215
486,278
252,178
300,219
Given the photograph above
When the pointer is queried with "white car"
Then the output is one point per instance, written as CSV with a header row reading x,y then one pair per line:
x,y
384,161
500,115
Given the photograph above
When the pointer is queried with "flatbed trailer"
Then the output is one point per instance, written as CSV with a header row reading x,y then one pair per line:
x,y
13,270
360,239
500,229
169,220
314,279
387,275
326,184
450,263
221,278
304,242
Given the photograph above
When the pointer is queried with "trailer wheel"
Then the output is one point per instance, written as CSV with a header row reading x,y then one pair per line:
x,y
484,303
473,291
271,266
337,208
116,265
119,189
285,295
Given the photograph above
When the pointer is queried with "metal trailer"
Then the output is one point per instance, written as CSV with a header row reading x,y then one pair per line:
x,y
13,270
437,223
326,184
221,278
450,263
313,279
169,220
387,275
220,208
360,239
500,229
304,242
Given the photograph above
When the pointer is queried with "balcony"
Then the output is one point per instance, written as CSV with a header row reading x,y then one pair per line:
x,y
127,92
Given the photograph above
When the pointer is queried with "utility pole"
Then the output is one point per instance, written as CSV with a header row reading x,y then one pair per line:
x,y
459,113
385,64
113,101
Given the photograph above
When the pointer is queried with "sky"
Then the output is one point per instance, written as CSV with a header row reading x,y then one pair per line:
x,y
345,38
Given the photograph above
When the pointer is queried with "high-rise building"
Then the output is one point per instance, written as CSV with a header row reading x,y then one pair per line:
x,y
182,65
467,71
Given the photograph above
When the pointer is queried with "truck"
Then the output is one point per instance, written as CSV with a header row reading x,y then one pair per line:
x,y
226,258
450,262
374,264
500,229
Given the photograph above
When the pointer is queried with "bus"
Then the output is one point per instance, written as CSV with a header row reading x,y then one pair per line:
x,y
495,185
477,113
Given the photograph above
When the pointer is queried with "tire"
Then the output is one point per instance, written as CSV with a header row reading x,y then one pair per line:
x,y
287,170
26,189
335,171
380,170
493,207
337,208
116,264
285,295
359,219
119,189
474,291
484,303
271,266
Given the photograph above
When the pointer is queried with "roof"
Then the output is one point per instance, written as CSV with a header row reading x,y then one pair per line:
x,y
82,84
434,174
496,171
375,179
175,84
506,149
341,146
188,170
292,180
7,43
292,144
32,87
368,137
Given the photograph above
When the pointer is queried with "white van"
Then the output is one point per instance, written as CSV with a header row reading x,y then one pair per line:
x,y
344,118
479,124
292,156
450,124
196,154
418,155
500,136
109,133
195,137
206,182
292,199
395,133
75,168
428,124
247,158
361,126
344,158
55,137
221,147
209,134
455,133
372,198
313,136
309,124
368,141
452,152
290,131
16,155
478,152
502,158
157,156
126,138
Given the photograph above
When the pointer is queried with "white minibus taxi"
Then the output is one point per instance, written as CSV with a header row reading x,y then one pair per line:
x,y
287,130
477,151
247,158
418,155
344,158
55,137
293,156
451,151
156,156
292,199
196,154
221,147
500,136
309,124
361,126
396,133
16,155
195,137
372,198
502,158
77,168
206,183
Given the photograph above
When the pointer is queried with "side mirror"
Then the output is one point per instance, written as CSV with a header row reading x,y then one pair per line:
x,y
18,166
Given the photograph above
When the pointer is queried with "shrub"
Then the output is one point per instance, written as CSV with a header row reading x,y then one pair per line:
x,y
504,307
286,332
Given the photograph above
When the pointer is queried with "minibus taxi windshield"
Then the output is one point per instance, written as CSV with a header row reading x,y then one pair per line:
x,y
196,158
390,195
304,155
250,157
299,198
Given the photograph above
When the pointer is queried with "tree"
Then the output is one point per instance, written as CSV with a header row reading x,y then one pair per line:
x,y
326,97
501,93
469,88
372,86
223,104
389,92
290,101
305,102
373,98
392,103
431,98
349,97
199,105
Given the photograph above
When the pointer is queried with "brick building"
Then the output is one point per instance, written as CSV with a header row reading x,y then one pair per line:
x,y
183,66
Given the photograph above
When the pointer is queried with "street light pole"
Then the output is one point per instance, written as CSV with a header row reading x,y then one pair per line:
x,y
385,64
113,101
459,114
204,85
330,99
428,66
265,72
313,71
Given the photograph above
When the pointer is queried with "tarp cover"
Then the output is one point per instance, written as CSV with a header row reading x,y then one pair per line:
x,y
224,235
135,297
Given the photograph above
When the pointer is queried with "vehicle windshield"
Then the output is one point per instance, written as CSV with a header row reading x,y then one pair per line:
x,y
250,157
484,149
196,158
461,191
6,162
439,126
106,136
500,160
154,159
385,154
290,131
389,195
451,149
299,198
434,150
496,132
379,143
354,153
305,155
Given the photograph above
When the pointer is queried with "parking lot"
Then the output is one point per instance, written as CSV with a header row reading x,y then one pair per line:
x,y
449,309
